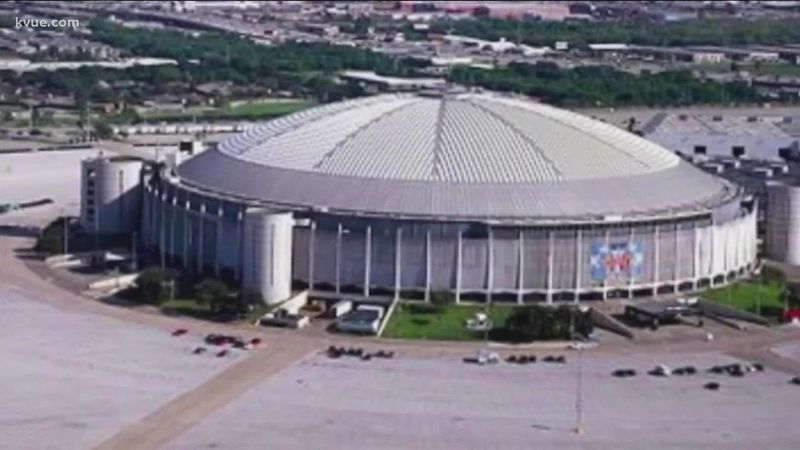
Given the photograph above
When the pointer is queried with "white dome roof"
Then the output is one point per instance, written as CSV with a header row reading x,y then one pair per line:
x,y
461,138
453,156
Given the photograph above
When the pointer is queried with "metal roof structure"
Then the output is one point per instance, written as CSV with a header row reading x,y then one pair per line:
x,y
452,155
760,137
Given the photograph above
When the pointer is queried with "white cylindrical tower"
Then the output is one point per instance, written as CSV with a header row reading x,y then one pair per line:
x,y
267,258
783,222
110,194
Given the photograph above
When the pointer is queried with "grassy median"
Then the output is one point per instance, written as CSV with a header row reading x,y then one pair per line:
x,y
765,299
435,322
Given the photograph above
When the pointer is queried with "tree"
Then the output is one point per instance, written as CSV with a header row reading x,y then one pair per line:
x,y
631,124
585,86
103,130
35,116
152,285
248,298
51,239
213,293
83,110
772,275
536,322
723,32
442,298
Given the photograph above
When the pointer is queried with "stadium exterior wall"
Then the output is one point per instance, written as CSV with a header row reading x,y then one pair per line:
x,y
783,222
387,258
110,194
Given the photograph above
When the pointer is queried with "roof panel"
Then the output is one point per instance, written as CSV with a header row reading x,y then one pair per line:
x,y
462,138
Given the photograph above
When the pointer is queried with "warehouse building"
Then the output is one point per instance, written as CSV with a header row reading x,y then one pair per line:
x,y
480,196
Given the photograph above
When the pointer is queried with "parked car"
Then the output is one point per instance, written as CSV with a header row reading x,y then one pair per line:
x,y
365,319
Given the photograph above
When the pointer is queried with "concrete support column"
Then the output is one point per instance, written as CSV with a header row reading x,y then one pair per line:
x,y
239,253
162,232
677,268
367,259
220,239
187,234
753,227
398,262
312,242
605,281
148,216
201,241
339,231
147,197
521,269
145,218
656,257
550,250
490,268
173,218
631,280
267,261
725,266
696,247
459,262
713,253
428,265
578,264
154,219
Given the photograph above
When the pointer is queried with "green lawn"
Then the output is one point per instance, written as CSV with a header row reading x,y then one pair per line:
x,y
267,108
246,110
185,307
416,321
745,296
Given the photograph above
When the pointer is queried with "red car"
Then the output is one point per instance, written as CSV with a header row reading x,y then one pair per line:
x,y
180,332
791,315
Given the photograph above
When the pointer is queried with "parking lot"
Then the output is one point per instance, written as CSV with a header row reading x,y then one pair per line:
x,y
72,380
435,403
789,350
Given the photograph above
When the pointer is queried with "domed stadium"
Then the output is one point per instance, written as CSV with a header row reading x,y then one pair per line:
x,y
474,195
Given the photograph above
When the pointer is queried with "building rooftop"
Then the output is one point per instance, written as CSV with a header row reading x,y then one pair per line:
x,y
468,137
451,154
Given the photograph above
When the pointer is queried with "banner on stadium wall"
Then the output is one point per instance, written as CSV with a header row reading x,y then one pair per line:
x,y
617,261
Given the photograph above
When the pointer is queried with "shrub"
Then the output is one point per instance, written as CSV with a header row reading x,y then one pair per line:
x,y
51,239
103,130
152,285
772,275
211,292
251,298
536,322
442,298
424,308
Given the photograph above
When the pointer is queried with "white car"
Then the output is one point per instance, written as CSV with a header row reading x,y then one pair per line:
x,y
486,357
662,371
